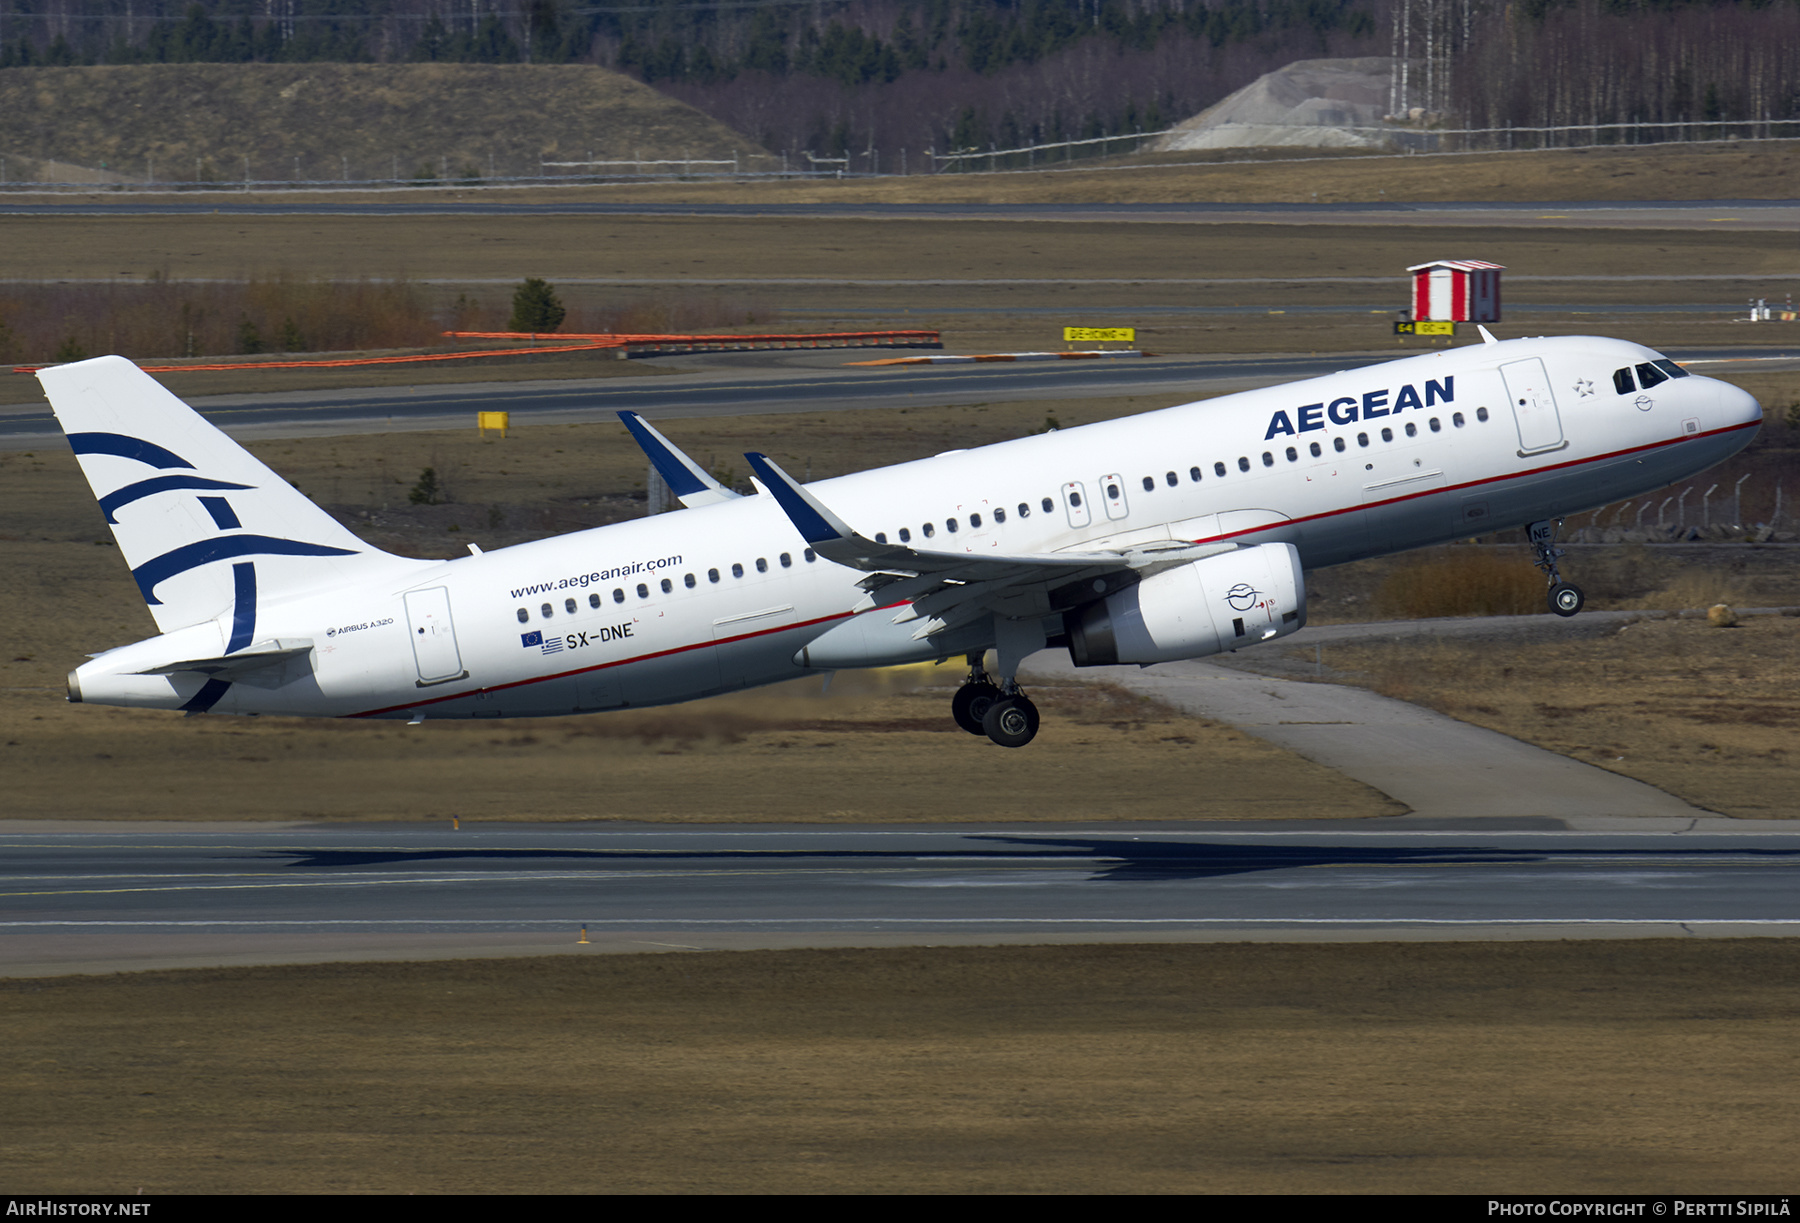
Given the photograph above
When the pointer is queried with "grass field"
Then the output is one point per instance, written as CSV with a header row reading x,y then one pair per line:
x,y
1547,1067
1705,713
1727,170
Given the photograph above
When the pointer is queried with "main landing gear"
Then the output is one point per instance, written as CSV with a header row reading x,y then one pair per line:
x,y
1001,711
1565,598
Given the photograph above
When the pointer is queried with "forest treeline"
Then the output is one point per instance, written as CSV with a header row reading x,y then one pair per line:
x,y
878,80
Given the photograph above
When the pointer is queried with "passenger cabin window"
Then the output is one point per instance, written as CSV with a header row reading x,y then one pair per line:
x,y
1481,415
524,616
643,591
881,537
1293,456
1024,510
545,611
1316,451
569,606
1268,459
1048,505
905,536
1171,479
1412,430
1387,435
1218,469
1362,439
950,525
668,587
618,594
1194,474
928,530
1337,444
1150,484
762,564
594,601
737,570
1456,418
1435,426
787,561
712,575
808,554
999,516
1243,463
689,581
975,520
1075,499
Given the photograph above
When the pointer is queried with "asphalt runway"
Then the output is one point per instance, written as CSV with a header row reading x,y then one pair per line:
x,y
750,384
107,898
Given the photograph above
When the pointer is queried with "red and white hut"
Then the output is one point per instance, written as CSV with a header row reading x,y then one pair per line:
x,y
1456,291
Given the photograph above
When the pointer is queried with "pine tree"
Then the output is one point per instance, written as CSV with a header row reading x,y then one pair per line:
x,y
535,308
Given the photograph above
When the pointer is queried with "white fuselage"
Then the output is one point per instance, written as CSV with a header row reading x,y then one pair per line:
x,y
1359,463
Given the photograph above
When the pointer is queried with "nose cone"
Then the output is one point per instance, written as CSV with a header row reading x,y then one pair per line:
x,y
1738,406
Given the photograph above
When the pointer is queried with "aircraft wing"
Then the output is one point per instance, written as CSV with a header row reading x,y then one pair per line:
x,y
690,482
949,589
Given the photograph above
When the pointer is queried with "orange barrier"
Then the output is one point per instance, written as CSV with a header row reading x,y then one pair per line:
x,y
341,362
579,343
627,339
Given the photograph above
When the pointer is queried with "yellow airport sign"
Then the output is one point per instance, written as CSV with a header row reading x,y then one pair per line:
x,y
1425,327
497,421
1099,335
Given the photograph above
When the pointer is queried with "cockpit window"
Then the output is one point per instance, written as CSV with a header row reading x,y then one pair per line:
x,y
1649,375
1622,382
1670,368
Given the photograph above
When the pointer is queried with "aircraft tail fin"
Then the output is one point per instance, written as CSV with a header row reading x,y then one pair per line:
x,y
205,527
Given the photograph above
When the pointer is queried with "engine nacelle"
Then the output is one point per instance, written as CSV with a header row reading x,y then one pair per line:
x,y
1204,607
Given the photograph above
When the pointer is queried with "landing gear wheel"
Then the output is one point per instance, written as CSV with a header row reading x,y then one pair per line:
x,y
970,705
1011,721
1566,600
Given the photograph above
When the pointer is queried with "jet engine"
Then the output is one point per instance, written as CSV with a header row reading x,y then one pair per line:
x,y
1204,607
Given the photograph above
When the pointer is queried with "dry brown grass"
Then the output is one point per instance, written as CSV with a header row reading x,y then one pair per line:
x,y
1706,713
1596,1067
1461,582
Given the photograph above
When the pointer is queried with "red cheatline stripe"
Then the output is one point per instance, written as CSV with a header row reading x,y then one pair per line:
x,y
539,679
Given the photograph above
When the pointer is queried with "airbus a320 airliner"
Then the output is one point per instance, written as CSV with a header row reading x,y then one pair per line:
x,y
1174,534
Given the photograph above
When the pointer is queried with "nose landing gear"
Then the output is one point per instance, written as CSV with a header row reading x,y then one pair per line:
x,y
1565,598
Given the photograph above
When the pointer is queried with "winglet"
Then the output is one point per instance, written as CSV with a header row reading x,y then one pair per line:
x,y
686,479
1487,337
815,523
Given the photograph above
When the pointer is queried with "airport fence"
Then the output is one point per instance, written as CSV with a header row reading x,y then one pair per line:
x,y
1707,510
1048,156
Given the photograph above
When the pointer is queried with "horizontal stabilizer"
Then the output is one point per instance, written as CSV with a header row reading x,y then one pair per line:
x,y
690,482
264,664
